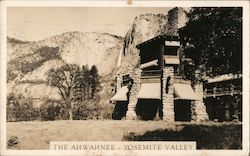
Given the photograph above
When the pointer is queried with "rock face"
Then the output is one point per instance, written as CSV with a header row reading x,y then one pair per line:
x,y
177,18
144,28
28,62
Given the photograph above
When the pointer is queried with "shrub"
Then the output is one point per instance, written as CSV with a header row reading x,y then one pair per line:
x,y
13,142
214,136
106,113
53,110
88,109
80,111
20,108
91,109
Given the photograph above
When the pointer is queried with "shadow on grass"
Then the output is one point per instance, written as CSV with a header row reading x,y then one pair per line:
x,y
224,136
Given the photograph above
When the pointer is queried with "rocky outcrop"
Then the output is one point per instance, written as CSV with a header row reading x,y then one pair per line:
x,y
144,28
177,18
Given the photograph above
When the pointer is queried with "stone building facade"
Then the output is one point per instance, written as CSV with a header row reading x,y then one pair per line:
x,y
158,90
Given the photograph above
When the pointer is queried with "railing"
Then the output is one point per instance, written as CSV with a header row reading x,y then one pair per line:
x,y
171,56
152,73
222,91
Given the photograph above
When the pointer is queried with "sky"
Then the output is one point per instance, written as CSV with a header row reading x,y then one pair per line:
x,y
36,23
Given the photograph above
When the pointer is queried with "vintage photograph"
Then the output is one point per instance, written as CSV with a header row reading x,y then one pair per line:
x,y
124,74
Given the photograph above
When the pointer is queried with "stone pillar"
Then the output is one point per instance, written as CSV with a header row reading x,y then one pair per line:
x,y
131,114
236,102
198,107
118,82
168,94
227,107
235,116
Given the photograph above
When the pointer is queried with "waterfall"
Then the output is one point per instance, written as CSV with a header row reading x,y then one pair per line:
x,y
120,57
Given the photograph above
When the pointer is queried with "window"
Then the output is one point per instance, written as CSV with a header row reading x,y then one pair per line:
x,y
171,50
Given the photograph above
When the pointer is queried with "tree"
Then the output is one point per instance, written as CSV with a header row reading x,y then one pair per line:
x,y
213,39
94,81
75,86
20,108
85,82
65,78
52,110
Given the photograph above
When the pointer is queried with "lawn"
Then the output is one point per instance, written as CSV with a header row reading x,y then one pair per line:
x,y
37,135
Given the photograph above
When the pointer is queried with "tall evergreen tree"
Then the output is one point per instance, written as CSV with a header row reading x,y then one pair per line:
x,y
75,86
94,80
86,82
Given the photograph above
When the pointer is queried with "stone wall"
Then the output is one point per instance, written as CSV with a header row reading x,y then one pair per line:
x,y
198,108
168,94
131,114
118,82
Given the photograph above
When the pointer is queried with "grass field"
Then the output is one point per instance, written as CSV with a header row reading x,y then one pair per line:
x,y
37,135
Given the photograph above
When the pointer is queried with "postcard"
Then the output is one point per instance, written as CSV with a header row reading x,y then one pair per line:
x,y
124,77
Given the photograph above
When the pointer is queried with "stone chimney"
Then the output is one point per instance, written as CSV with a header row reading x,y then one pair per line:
x,y
118,82
177,18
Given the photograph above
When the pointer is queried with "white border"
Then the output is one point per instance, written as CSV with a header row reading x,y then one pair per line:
x,y
245,134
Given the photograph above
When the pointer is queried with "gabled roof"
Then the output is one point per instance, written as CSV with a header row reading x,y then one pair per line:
x,y
159,38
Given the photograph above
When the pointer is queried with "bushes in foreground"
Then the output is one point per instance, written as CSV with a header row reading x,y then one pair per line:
x,y
53,110
20,108
214,136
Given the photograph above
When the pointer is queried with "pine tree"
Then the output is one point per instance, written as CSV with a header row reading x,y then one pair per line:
x,y
94,81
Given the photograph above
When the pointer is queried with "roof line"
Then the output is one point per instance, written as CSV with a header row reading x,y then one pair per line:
x,y
159,37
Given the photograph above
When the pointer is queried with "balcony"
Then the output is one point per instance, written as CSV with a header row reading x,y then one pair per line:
x,y
214,92
153,73
171,59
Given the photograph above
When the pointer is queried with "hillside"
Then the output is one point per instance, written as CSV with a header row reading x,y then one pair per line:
x,y
28,62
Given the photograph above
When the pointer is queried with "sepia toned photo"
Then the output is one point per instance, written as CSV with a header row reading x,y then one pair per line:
x,y
134,79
